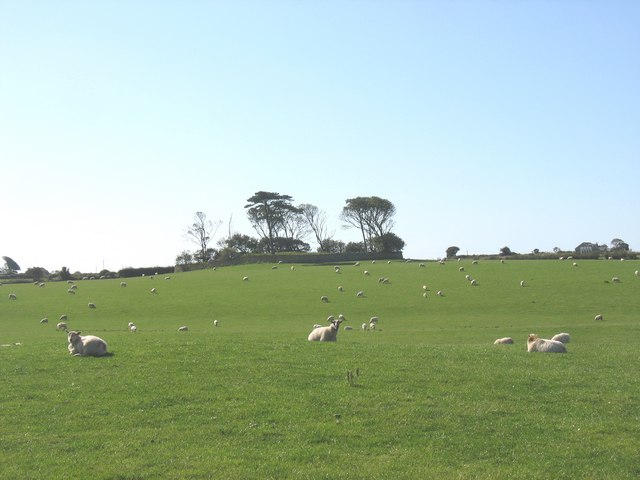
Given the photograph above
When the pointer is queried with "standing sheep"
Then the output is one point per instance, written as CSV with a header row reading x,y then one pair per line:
x,y
12,296
44,320
326,334
87,345
61,326
535,344
91,305
324,299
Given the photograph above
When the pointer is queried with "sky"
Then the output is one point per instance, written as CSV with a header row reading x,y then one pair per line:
x,y
487,123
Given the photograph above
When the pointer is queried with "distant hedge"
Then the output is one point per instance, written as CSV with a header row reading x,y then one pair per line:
x,y
146,271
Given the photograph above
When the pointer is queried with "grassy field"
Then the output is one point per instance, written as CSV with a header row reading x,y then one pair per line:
x,y
253,399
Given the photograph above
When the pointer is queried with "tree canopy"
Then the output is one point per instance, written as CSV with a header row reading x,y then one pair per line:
x,y
271,216
373,216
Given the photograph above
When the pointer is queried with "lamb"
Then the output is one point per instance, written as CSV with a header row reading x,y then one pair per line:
x,y
373,322
615,280
561,337
365,327
87,345
326,334
61,326
536,344
503,341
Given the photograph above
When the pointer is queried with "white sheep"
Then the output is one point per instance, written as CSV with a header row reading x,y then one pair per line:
x,y
44,320
123,284
326,334
615,279
360,294
12,296
372,325
61,326
245,279
561,337
87,345
183,328
637,273
153,290
91,305
324,299
522,283
598,318
63,317
73,287
365,327
373,320
421,265
133,328
461,269
340,289
366,272
216,323
167,278
474,283
72,292
536,344
503,341
440,293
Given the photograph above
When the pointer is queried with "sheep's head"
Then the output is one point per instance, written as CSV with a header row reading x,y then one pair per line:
x,y
335,324
532,338
73,336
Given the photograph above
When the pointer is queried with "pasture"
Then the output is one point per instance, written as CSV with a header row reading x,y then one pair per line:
x,y
253,399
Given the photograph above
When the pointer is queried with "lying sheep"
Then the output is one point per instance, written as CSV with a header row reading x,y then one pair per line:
x,y
503,341
598,318
123,284
360,294
536,344
61,326
561,337
87,345
44,320
326,334
183,328
12,296
324,299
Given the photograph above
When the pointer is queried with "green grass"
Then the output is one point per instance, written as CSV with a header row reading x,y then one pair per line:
x,y
253,399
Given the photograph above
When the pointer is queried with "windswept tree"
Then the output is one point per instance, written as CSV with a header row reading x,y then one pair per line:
x,y
373,216
452,251
201,232
268,213
10,265
317,221
619,245
387,243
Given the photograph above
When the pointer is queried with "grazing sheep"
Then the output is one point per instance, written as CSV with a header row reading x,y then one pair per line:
x,y
87,345
474,283
422,265
336,269
373,320
615,280
123,284
153,290
340,289
167,278
475,262
425,288
73,287
598,318
245,279
324,299
12,296
292,268
366,272
183,328
44,320
503,341
440,293
461,269
275,267
63,317
216,323
357,264
61,326
326,334
360,294
536,344
365,327
372,325
91,305
72,292
561,337
522,283
133,328
468,277
575,264
637,273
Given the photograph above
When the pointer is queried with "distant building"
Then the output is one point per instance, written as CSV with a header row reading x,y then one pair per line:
x,y
585,248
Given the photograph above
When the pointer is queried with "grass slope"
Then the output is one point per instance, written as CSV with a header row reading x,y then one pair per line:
x,y
253,399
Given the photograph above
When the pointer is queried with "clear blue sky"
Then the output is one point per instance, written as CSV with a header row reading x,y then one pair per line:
x,y
486,123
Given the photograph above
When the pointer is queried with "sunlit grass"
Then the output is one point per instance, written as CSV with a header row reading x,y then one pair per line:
x,y
253,399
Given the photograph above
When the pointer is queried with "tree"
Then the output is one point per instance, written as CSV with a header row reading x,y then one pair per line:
x,y
355,247
36,273
452,251
11,265
619,245
332,246
387,243
201,232
185,258
506,251
373,216
317,222
240,243
267,212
